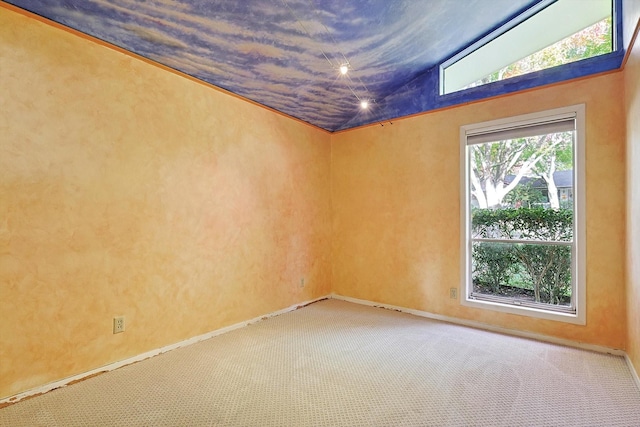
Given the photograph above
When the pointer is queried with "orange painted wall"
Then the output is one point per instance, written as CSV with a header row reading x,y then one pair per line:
x,y
396,216
129,190
632,105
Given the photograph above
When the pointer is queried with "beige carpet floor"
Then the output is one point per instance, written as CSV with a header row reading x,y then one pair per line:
x,y
335,363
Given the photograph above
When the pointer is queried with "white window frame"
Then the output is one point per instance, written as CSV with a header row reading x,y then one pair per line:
x,y
579,246
495,50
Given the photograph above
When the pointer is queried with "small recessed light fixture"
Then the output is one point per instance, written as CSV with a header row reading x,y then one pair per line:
x,y
344,69
364,104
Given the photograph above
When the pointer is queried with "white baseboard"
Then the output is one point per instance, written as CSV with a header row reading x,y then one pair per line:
x,y
634,373
484,326
112,366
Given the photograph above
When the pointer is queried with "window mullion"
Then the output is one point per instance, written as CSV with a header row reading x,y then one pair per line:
x,y
524,241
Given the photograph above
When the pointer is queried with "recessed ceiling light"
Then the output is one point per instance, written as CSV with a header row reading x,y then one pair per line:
x,y
364,104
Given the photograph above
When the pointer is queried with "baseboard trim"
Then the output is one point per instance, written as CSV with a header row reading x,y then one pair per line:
x,y
113,366
632,368
477,325
487,327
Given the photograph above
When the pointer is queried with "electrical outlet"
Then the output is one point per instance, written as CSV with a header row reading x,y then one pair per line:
x,y
118,324
302,282
453,293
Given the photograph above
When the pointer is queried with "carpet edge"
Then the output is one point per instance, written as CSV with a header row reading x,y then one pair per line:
x,y
487,327
36,391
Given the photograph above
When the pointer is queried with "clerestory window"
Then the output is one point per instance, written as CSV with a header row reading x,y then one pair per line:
x,y
523,214
550,34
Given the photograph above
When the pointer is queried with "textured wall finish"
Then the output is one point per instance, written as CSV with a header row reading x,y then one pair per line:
x,y
632,98
396,217
128,190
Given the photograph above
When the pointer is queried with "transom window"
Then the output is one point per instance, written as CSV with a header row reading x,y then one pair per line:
x,y
523,245
552,33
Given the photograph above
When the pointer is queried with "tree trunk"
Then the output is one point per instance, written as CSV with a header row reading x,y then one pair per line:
x,y
552,190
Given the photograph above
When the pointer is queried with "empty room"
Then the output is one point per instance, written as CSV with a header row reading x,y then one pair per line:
x,y
320,212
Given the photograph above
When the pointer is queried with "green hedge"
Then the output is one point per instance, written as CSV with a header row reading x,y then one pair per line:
x,y
543,269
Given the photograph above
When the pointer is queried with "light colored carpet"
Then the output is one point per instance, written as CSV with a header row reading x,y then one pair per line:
x,y
335,363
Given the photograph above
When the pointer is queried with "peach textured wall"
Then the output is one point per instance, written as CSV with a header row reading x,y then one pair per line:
x,y
396,216
129,190
632,98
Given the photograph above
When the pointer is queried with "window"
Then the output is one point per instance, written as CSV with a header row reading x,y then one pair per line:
x,y
547,35
523,214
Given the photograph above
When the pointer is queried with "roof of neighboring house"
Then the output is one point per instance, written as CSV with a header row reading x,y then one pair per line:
x,y
563,179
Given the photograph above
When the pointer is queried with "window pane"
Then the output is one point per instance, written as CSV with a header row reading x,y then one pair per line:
x,y
592,41
524,252
522,188
562,32
527,274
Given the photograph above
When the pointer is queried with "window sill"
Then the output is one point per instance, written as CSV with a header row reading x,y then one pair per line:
x,y
576,319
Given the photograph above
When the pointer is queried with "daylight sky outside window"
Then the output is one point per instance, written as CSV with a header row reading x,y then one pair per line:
x,y
582,26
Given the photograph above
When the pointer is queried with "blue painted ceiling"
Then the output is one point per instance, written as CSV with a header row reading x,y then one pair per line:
x,y
285,54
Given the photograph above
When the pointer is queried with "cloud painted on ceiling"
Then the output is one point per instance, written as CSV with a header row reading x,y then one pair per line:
x,y
286,54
